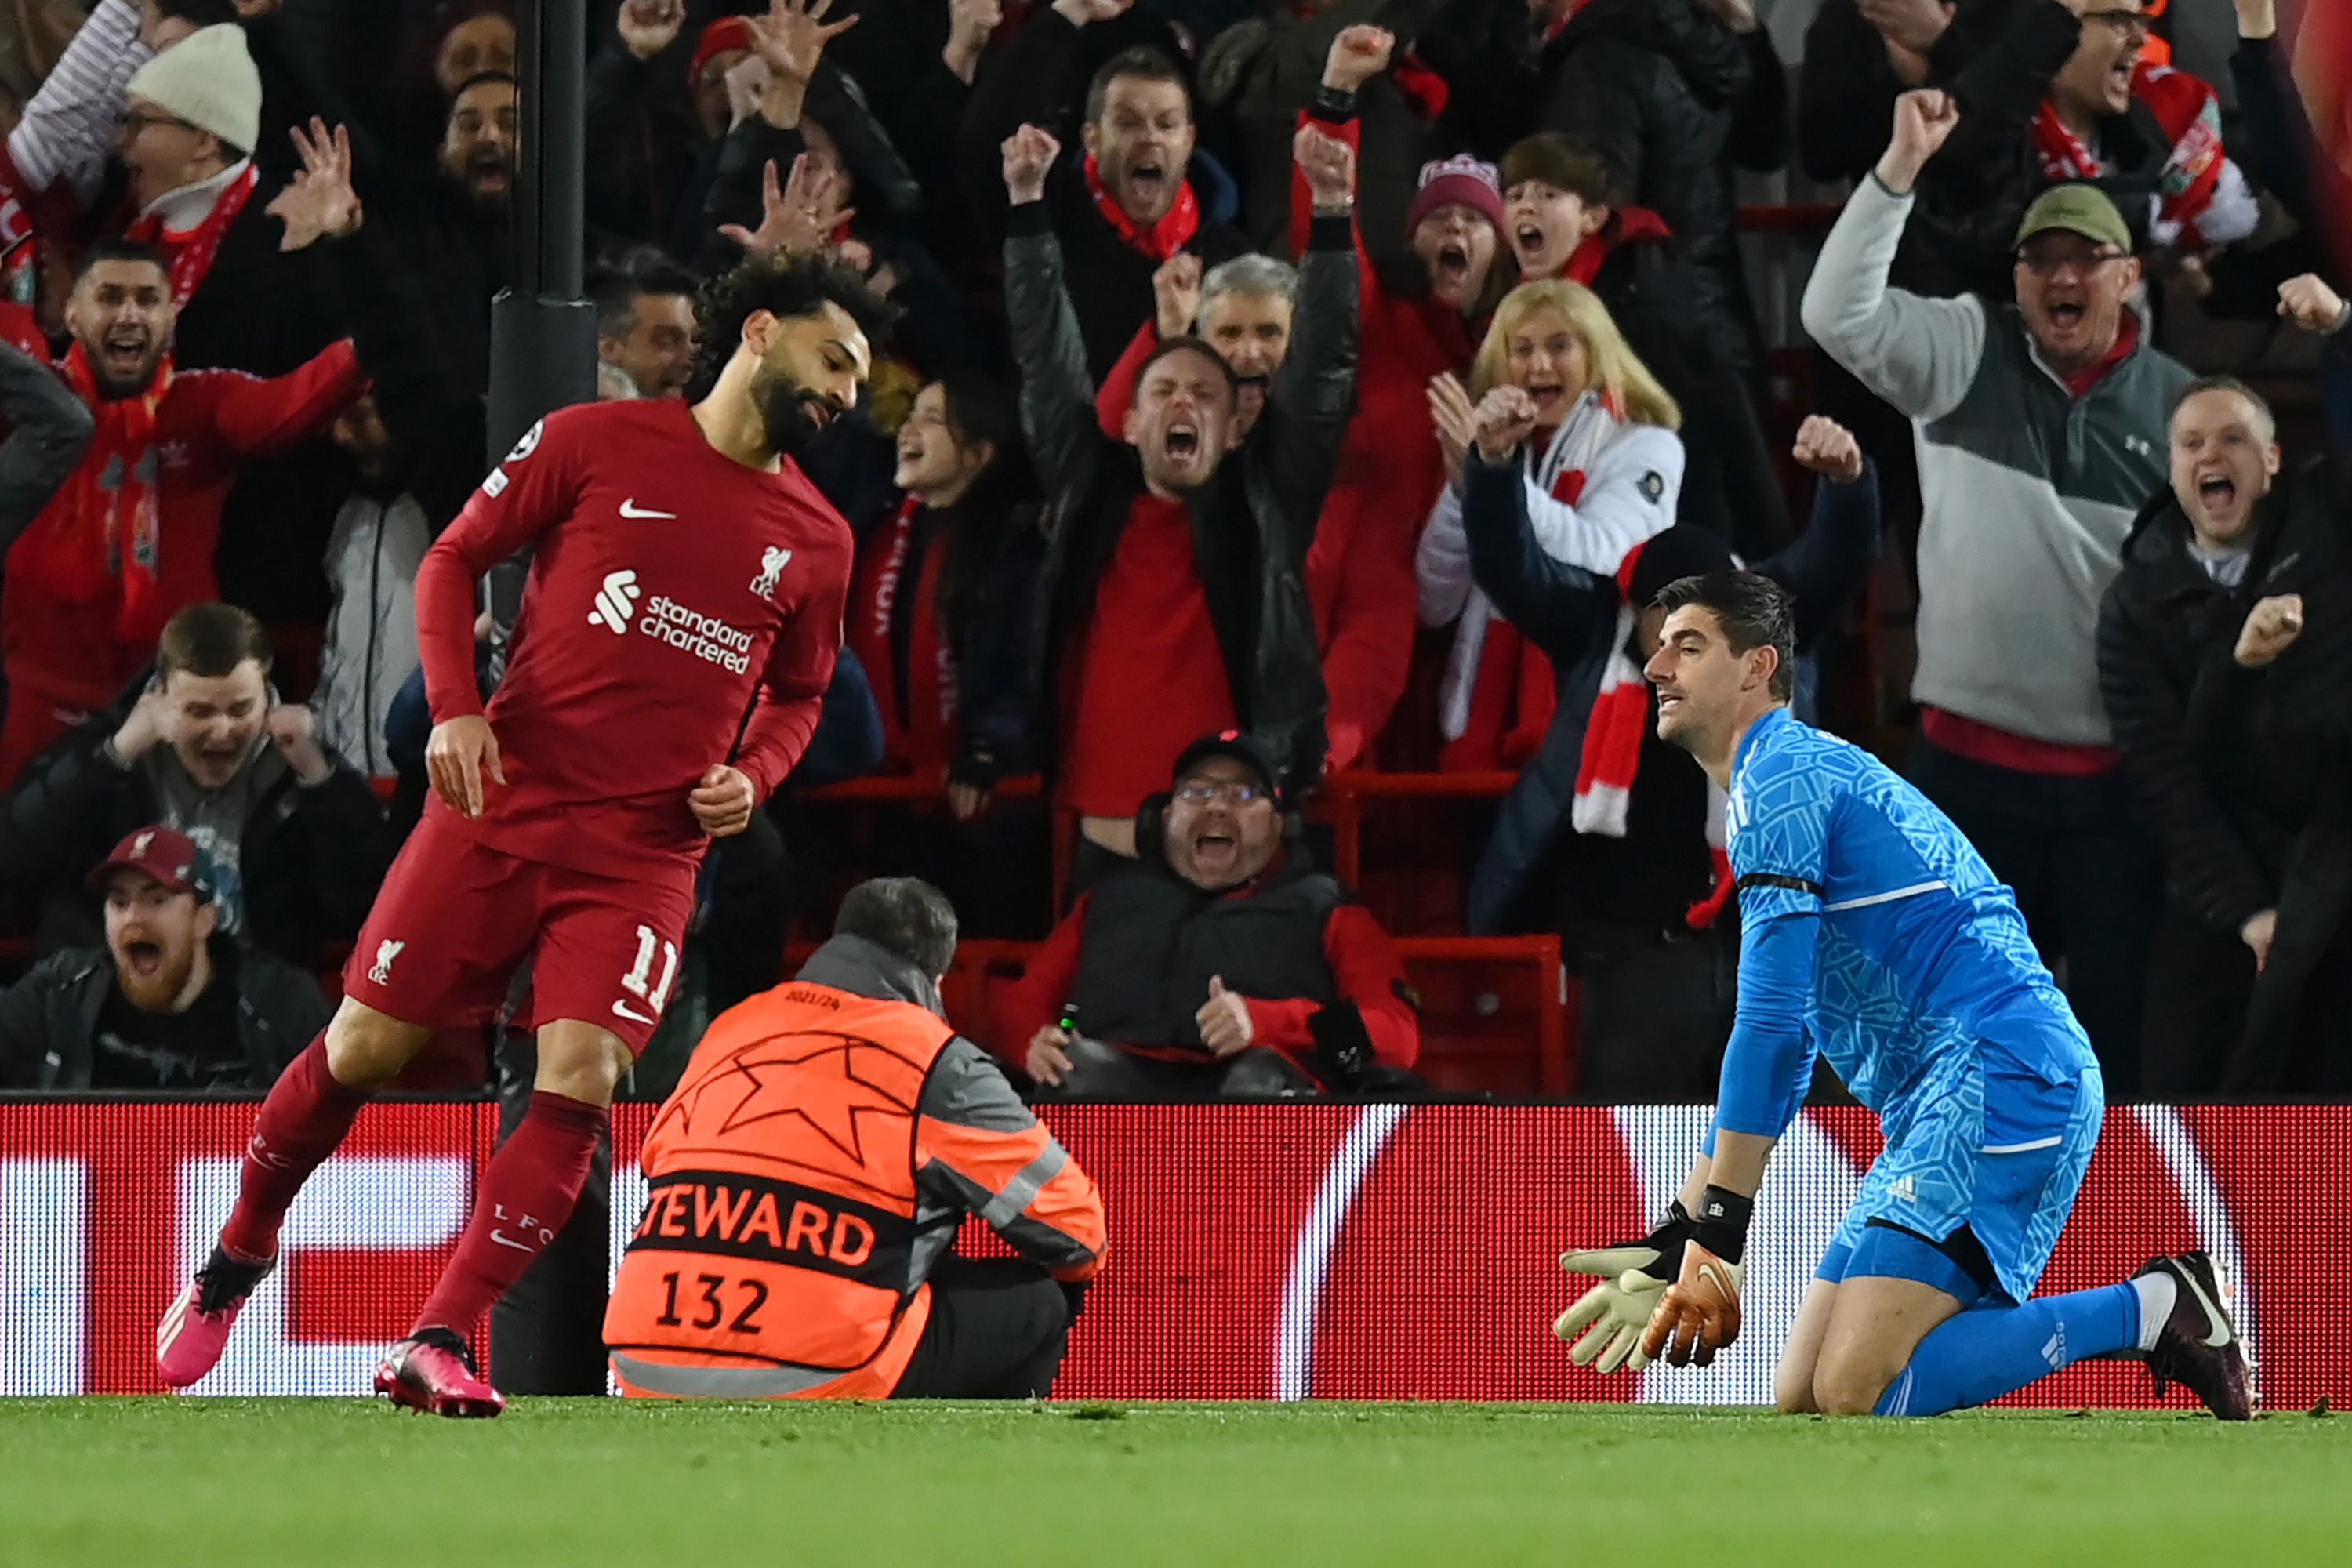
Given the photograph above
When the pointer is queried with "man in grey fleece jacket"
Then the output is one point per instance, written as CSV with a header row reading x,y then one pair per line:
x,y
2041,429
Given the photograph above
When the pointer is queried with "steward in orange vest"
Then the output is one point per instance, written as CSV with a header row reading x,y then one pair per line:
x,y
805,1180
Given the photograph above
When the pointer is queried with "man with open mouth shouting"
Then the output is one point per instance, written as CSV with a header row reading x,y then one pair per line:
x,y
170,1002
131,537
1139,195
199,742
1221,965
2041,433
1174,587
2222,662
1422,302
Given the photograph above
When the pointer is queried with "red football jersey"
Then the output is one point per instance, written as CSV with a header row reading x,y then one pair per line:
x,y
669,583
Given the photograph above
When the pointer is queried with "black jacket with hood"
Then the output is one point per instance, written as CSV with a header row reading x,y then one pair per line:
x,y
48,1019
309,858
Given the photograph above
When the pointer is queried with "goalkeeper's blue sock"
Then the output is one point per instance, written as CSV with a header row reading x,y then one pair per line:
x,y
1979,1356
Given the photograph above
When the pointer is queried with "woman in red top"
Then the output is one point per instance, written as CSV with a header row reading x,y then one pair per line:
x,y
1423,310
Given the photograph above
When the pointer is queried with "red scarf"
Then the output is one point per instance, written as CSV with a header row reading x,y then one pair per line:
x,y
192,250
1163,239
919,732
1558,24
2090,375
1624,224
1423,91
100,535
2190,116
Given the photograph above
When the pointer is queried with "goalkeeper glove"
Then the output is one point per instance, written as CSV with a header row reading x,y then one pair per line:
x,y
1610,1316
1698,1314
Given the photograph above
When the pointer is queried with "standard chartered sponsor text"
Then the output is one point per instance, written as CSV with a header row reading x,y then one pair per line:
x,y
702,635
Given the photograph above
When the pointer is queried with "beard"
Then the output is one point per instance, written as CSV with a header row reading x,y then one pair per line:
x,y
785,414
155,991
113,384
485,181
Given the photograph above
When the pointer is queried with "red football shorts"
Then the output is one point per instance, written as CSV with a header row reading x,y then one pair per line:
x,y
455,919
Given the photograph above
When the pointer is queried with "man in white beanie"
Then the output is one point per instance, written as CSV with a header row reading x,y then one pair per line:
x,y
191,123
188,133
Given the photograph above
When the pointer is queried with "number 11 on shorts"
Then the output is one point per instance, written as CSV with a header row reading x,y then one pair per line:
x,y
635,981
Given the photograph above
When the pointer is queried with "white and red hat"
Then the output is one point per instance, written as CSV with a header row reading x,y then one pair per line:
x,y
1464,179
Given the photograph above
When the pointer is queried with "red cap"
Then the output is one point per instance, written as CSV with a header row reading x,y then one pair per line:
x,y
726,33
166,854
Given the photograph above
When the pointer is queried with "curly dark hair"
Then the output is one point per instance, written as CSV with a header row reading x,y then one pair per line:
x,y
784,287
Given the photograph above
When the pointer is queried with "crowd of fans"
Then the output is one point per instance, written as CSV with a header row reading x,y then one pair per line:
x,y
1247,349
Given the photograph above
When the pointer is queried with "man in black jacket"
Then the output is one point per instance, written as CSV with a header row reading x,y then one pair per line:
x,y
1223,965
189,134
296,837
2233,720
1130,204
169,1002
1164,545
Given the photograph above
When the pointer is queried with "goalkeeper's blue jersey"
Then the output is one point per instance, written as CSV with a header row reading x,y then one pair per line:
x,y
1874,932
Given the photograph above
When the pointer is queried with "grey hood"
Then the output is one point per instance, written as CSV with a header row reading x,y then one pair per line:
x,y
866,968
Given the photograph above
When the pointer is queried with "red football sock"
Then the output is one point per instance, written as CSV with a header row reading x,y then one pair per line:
x,y
305,1116
526,1196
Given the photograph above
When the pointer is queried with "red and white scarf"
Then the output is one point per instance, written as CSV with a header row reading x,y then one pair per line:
x,y
101,535
192,250
1613,733
1163,239
1591,425
2191,199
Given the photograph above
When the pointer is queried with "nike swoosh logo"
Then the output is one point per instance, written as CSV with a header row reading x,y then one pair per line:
x,y
630,509
2218,1332
622,1010
503,1239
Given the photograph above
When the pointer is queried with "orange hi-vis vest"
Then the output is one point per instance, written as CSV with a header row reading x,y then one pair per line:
x,y
773,1259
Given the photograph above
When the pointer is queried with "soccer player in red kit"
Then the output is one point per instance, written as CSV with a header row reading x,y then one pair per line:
x,y
685,572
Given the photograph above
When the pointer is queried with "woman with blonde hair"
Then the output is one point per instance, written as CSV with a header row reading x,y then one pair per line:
x,y
1602,471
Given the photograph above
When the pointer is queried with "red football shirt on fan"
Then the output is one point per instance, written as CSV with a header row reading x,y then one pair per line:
x,y
1152,676
669,583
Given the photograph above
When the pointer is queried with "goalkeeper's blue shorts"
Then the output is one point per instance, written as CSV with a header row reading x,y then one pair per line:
x,y
1974,1185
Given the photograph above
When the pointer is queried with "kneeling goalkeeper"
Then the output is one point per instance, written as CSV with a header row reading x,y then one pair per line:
x,y
807,1177
1873,933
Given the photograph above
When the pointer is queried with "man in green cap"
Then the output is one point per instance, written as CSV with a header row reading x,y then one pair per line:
x,y
2042,431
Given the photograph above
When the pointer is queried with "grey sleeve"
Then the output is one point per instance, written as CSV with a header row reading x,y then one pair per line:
x,y
979,1149
48,430
1920,354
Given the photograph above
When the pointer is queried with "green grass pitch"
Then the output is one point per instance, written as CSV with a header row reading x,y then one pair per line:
x,y
189,1483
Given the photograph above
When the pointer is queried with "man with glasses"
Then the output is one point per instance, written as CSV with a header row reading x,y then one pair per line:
x,y
1220,965
2145,131
2040,429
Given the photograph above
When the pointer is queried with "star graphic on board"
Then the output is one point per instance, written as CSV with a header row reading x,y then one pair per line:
x,y
819,1084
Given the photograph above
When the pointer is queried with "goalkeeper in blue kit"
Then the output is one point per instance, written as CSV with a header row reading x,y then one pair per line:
x,y
1873,933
